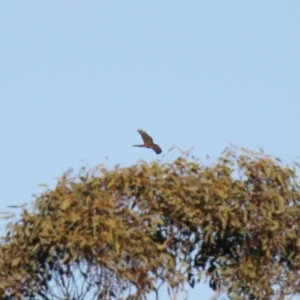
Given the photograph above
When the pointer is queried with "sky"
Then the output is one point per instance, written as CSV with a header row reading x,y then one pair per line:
x,y
78,78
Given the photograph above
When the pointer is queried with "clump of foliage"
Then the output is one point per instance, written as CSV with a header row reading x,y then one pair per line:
x,y
124,233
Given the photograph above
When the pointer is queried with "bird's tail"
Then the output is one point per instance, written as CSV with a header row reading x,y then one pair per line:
x,y
138,145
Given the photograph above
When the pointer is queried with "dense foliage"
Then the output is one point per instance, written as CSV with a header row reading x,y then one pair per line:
x,y
126,232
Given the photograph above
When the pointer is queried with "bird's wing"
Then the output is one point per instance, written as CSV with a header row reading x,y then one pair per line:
x,y
146,137
156,148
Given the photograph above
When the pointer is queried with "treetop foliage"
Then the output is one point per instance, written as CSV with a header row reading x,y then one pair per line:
x,y
123,233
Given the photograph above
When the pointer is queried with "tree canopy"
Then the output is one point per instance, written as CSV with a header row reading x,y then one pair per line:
x,y
124,233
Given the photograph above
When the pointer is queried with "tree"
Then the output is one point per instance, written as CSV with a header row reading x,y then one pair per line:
x,y
122,233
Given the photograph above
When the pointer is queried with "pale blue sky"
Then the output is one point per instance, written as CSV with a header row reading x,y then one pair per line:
x,y
78,78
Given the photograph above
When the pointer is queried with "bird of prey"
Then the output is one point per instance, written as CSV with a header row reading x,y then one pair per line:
x,y
148,142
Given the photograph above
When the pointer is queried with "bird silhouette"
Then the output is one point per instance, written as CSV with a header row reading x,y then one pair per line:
x,y
148,142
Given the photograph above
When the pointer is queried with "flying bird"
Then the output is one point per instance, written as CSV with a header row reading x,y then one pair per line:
x,y
148,142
